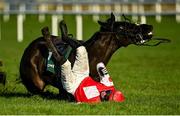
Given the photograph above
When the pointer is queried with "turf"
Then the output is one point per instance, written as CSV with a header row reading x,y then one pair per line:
x,y
148,76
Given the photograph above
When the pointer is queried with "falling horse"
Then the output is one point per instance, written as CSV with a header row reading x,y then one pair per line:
x,y
101,46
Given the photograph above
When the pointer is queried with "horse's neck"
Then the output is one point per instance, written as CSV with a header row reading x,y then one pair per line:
x,y
103,45
100,49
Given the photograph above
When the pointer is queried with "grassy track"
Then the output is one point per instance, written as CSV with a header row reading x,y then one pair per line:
x,y
148,76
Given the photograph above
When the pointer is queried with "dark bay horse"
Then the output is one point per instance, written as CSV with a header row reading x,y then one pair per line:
x,y
101,46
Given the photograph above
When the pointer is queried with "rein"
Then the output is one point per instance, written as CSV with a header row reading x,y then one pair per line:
x,y
140,37
160,40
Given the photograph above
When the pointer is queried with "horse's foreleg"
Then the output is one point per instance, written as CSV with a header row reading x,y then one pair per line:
x,y
32,81
40,85
36,78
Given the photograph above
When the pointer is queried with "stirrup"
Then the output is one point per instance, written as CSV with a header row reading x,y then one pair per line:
x,y
64,50
67,52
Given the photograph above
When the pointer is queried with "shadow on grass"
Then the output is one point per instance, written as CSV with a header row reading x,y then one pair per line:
x,y
14,94
45,95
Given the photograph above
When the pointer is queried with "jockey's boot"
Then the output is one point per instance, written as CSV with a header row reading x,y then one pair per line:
x,y
64,30
66,38
104,75
102,71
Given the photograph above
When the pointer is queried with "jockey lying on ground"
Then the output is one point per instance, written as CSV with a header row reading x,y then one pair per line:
x,y
76,80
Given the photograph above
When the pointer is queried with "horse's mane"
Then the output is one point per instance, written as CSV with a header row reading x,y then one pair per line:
x,y
90,41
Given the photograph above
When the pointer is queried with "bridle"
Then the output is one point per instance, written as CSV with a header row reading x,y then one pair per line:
x,y
137,37
136,34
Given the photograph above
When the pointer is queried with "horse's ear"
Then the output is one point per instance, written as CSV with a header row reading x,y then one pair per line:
x,y
111,20
104,26
108,25
102,23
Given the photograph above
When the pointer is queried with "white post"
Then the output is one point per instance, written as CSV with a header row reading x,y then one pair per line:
x,y
42,8
6,15
135,11
141,10
158,10
79,22
60,8
125,7
20,19
55,19
20,27
178,10
96,8
54,24
117,9
79,27
22,8
107,7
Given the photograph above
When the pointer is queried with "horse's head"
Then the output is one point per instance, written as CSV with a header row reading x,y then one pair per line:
x,y
127,32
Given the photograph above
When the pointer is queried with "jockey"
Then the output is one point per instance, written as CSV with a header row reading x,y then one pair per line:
x,y
76,80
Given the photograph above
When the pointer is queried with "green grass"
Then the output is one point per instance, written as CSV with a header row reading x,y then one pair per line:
x,y
148,76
